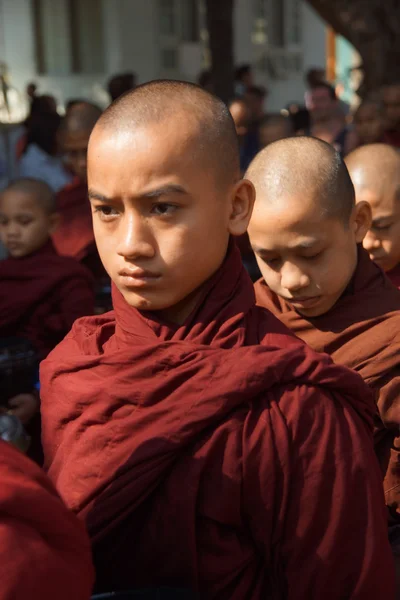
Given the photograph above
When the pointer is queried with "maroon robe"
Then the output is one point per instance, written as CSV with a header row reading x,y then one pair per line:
x,y
394,276
222,455
362,331
41,295
45,552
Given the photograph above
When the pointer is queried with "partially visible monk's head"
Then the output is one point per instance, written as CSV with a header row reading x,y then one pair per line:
x,y
166,194
27,216
375,171
74,135
369,122
305,226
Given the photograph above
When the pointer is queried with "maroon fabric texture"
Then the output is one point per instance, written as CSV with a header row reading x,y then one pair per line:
x,y
45,552
222,455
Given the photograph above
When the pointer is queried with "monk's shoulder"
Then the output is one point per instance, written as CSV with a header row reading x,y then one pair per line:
x,y
87,337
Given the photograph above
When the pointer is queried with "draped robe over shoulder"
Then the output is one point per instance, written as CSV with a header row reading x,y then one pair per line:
x,y
45,552
222,455
41,295
362,332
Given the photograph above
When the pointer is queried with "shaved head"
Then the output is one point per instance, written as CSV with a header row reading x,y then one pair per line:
x,y
36,188
209,124
299,166
374,167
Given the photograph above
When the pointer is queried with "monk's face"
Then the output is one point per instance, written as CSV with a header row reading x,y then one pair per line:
x,y
391,100
369,124
75,147
304,257
161,220
24,225
383,239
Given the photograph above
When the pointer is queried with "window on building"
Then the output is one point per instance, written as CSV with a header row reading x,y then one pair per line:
x,y
68,36
277,36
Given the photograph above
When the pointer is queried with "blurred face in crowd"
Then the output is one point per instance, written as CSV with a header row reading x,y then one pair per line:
x,y
321,104
161,216
241,116
25,226
256,104
369,124
75,146
391,101
272,132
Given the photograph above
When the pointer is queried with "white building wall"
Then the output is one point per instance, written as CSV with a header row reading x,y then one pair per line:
x,y
132,42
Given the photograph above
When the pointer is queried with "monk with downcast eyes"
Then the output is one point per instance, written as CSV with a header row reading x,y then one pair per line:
x,y
307,233
205,447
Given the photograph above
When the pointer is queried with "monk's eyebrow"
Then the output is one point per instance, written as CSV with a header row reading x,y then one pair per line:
x,y
93,195
165,190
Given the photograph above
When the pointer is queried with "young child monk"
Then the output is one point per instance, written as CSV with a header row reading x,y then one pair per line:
x,y
375,171
307,233
42,293
74,236
45,552
204,446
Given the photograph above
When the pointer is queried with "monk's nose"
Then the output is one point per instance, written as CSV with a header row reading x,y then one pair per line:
x,y
371,242
135,239
292,278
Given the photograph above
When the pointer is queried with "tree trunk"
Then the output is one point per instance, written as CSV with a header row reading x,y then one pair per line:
x,y
220,31
373,28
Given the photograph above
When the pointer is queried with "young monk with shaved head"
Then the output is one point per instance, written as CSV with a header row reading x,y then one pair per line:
x,y
204,446
74,237
307,233
375,171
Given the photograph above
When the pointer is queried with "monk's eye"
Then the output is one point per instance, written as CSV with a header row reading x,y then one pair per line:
x,y
25,221
272,262
105,212
163,209
313,256
382,227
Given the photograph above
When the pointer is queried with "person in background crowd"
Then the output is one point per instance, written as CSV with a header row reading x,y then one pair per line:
x,y
40,158
42,293
236,458
375,171
248,140
121,83
369,122
391,102
327,122
255,97
274,127
45,551
243,79
74,236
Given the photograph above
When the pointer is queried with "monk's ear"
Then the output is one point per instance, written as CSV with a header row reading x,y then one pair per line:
x,y
55,219
241,208
361,220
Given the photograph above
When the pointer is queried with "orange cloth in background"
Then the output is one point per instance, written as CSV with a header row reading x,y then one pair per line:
x,y
362,331
45,552
222,455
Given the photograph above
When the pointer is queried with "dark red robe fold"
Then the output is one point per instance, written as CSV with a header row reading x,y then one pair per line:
x,y
74,236
223,455
394,276
362,331
41,295
45,552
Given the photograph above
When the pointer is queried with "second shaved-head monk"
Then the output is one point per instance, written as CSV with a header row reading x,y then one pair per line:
x,y
307,233
375,171
74,237
204,446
